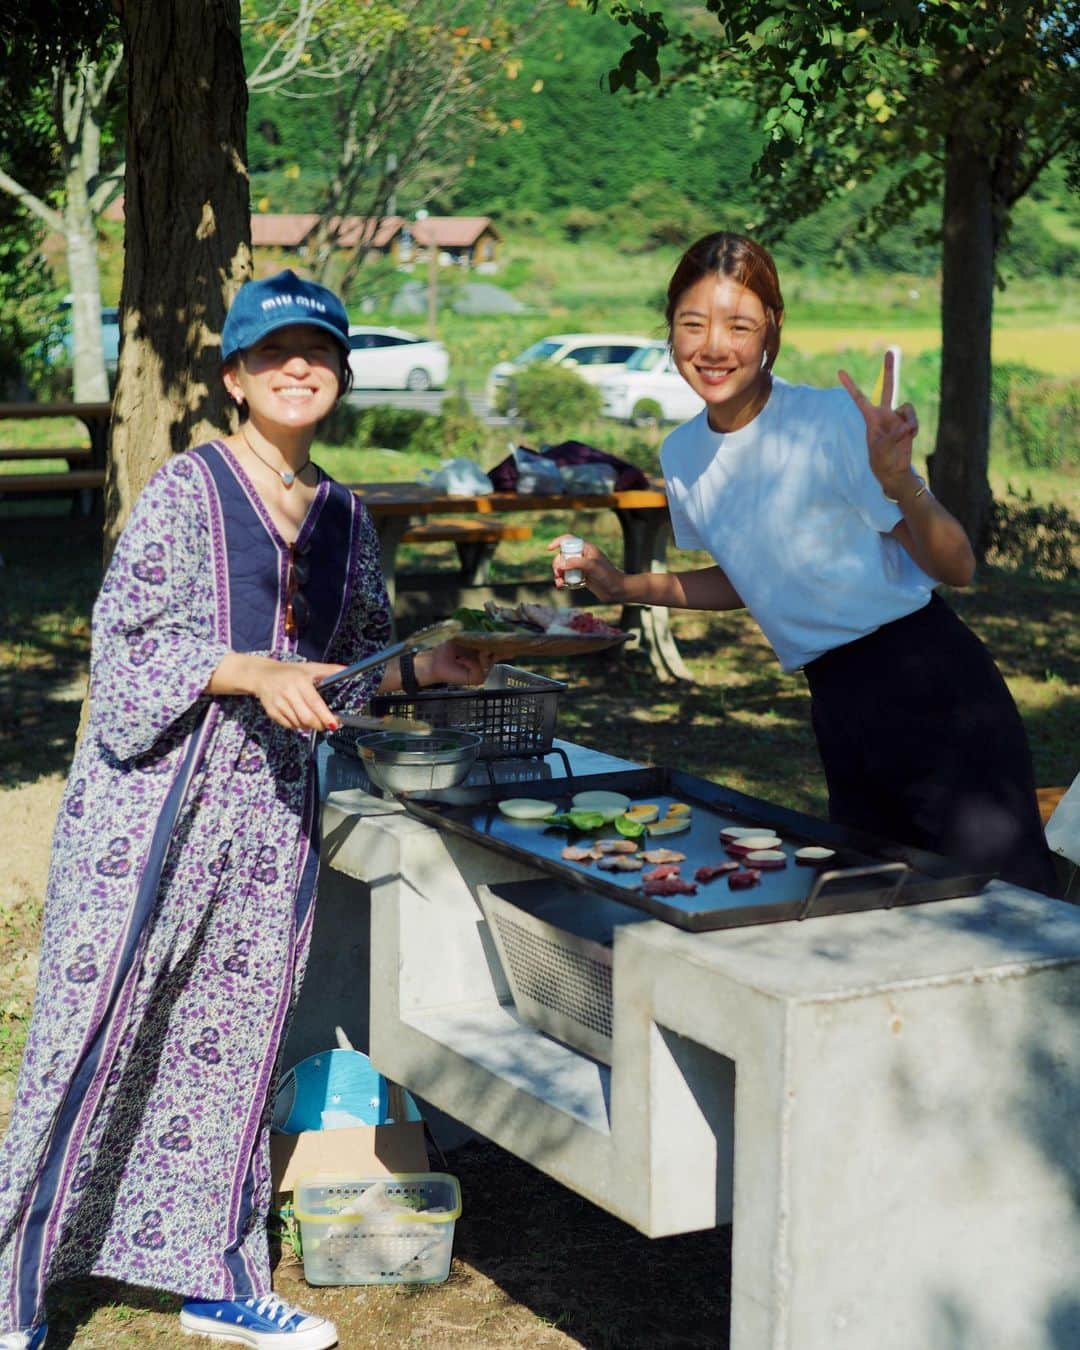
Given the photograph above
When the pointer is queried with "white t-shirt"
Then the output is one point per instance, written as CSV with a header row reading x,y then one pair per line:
x,y
789,508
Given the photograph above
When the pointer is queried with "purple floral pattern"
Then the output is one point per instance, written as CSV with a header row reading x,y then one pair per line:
x,y
172,947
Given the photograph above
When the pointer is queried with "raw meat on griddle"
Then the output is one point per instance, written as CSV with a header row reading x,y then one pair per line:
x,y
662,871
743,880
669,886
711,871
618,862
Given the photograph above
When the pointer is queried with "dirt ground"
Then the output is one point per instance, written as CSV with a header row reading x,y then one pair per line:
x,y
534,1265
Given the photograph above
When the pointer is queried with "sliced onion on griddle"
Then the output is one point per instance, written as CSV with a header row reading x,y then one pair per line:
x,y
814,853
767,858
752,843
527,808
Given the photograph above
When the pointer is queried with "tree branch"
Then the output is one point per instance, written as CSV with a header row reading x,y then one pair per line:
x,y
24,197
107,189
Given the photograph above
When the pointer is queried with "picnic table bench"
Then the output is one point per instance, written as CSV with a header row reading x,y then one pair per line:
x,y
414,512
73,455
84,477
475,541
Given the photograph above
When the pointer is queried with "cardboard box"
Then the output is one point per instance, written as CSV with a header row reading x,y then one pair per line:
x,y
360,1151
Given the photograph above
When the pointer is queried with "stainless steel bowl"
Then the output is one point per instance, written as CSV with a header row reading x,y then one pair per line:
x,y
398,762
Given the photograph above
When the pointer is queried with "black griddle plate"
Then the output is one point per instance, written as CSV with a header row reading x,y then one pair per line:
x,y
781,894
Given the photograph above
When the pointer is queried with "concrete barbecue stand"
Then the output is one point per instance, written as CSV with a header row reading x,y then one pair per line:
x,y
886,1104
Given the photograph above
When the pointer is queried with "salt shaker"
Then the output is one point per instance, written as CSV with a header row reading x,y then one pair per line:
x,y
573,547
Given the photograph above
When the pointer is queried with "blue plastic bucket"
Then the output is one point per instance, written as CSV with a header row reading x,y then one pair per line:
x,y
335,1087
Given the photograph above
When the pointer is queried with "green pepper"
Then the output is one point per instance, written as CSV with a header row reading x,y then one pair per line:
x,y
576,820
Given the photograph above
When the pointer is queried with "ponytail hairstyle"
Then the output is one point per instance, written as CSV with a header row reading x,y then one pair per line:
x,y
748,264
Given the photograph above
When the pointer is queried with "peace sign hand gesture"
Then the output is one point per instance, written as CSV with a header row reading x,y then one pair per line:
x,y
889,432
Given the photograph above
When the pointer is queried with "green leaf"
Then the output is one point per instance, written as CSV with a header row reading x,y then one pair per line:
x,y
479,621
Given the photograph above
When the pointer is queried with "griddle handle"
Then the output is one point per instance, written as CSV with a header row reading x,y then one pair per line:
x,y
849,874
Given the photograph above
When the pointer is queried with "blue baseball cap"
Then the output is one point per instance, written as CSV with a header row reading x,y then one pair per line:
x,y
261,307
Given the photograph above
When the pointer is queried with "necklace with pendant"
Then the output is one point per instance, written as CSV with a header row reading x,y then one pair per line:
x,y
287,476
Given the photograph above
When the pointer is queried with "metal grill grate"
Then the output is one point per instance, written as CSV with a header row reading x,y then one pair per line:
x,y
550,974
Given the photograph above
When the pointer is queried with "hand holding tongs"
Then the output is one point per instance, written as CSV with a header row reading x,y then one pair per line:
x,y
419,641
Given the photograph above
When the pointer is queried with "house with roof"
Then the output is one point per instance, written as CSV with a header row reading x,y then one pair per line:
x,y
470,242
463,241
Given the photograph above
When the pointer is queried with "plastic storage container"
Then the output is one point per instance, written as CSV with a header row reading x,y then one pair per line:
x,y
378,1230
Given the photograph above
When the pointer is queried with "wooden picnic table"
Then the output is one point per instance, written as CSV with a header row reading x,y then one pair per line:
x,y
85,474
397,508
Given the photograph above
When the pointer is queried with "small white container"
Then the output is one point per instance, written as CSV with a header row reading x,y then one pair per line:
x,y
378,1230
573,547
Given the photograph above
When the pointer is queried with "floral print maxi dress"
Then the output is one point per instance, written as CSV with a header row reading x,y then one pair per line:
x,y
179,902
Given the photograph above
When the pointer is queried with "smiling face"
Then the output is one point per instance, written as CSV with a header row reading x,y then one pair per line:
x,y
289,379
718,340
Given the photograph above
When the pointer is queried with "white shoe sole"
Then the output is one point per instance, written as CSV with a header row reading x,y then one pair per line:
x,y
316,1338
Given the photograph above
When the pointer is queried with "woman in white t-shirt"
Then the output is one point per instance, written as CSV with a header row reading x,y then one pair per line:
x,y
807,502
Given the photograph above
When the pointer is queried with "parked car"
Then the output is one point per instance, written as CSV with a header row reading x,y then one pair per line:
x,y
594,356
649,390
393,358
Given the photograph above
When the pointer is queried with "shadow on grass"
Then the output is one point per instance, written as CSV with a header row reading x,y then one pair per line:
x,y
744,724
72,1304
578,1268
50,576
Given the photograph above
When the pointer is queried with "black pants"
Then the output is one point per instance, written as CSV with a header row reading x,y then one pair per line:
x,y
922,744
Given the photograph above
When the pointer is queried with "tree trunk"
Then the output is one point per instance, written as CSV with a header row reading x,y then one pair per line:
x,y
958,466
186,236
90,383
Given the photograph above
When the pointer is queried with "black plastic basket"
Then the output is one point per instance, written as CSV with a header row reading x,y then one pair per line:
x,y
513,713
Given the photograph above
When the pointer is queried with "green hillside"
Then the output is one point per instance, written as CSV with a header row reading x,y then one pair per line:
x,y
638,172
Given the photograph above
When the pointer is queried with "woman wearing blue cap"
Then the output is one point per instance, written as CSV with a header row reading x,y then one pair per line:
x,y
180,897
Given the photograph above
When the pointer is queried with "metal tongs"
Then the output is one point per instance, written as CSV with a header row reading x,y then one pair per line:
x,y
406,725
419,641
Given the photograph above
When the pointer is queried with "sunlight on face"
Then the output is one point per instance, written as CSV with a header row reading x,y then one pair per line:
x,y
718,336
715,314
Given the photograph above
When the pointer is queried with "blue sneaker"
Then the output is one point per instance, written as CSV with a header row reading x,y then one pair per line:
x,y
268,1323
25,1340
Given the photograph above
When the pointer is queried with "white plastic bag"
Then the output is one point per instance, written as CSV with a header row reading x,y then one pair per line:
x,y
598,478
457,478
536,474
